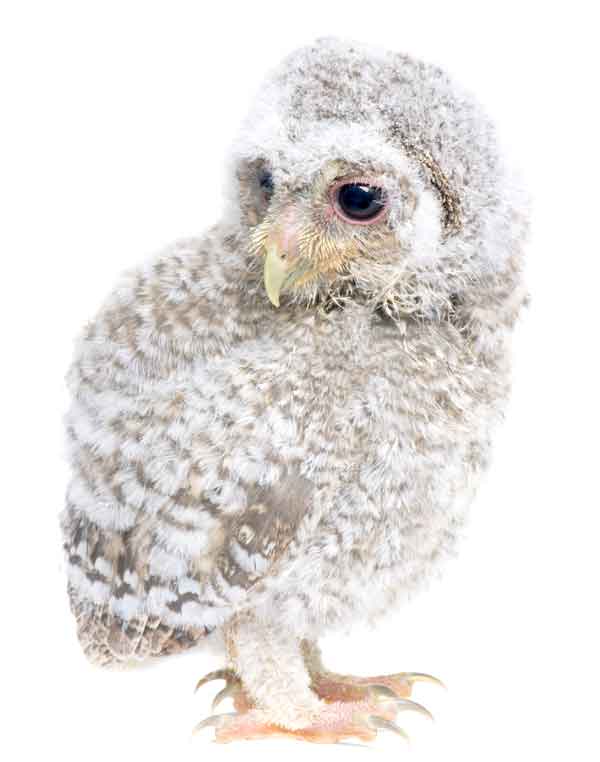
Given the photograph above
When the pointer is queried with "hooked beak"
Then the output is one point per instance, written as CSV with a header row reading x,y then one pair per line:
x,y
283,263
281,271
276,272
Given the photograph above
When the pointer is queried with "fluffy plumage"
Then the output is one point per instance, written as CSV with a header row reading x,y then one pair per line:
x,y
286,471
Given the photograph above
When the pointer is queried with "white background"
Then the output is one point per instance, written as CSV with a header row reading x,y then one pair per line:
x,y
115,120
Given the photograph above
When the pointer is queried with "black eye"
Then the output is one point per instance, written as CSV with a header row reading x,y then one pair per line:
x,y
265,180
359,202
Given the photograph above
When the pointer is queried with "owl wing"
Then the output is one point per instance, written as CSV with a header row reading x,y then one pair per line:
x,y
161,548
147,583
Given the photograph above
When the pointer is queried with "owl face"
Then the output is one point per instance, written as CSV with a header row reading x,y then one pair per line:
x,y
347,228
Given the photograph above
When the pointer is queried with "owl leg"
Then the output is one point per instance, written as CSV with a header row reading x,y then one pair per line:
x,y
331,686
273,695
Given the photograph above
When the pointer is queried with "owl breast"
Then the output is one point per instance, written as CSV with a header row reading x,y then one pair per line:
x,y
385,433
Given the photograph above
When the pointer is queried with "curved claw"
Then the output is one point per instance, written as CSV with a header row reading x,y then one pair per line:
x,y
214,721
219,674
224,693
384,695
380,723
420,677
406,705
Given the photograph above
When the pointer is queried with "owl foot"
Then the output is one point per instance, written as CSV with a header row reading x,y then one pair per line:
x,y
334,687
334,722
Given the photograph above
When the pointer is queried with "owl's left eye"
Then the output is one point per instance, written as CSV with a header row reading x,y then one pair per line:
x,y
265,180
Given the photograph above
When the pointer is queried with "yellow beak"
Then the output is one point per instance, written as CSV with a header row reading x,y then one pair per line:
x,y
276,272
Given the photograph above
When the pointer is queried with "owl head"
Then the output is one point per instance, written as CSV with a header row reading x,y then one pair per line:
x,y
366,175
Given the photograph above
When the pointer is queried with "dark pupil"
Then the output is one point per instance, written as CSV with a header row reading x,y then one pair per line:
x,y
266,182
360,202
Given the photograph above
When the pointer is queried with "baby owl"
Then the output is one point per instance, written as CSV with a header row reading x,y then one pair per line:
x,y
277,427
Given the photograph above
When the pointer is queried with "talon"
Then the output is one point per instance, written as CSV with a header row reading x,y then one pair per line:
x,y
228,690
420,677
384,695
219,674
406,705
214,721
380,723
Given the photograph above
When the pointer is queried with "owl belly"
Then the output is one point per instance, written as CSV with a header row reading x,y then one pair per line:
x,y
384,533
392,438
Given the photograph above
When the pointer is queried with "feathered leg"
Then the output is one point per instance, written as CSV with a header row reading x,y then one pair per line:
x,y
271,686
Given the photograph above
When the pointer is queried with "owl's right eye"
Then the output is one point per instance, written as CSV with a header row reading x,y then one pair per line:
x,y
265,180
359,202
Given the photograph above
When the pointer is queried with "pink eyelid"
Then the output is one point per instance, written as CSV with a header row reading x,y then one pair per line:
x,y
358,180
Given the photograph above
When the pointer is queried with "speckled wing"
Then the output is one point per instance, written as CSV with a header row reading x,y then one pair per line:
x,y
166,528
